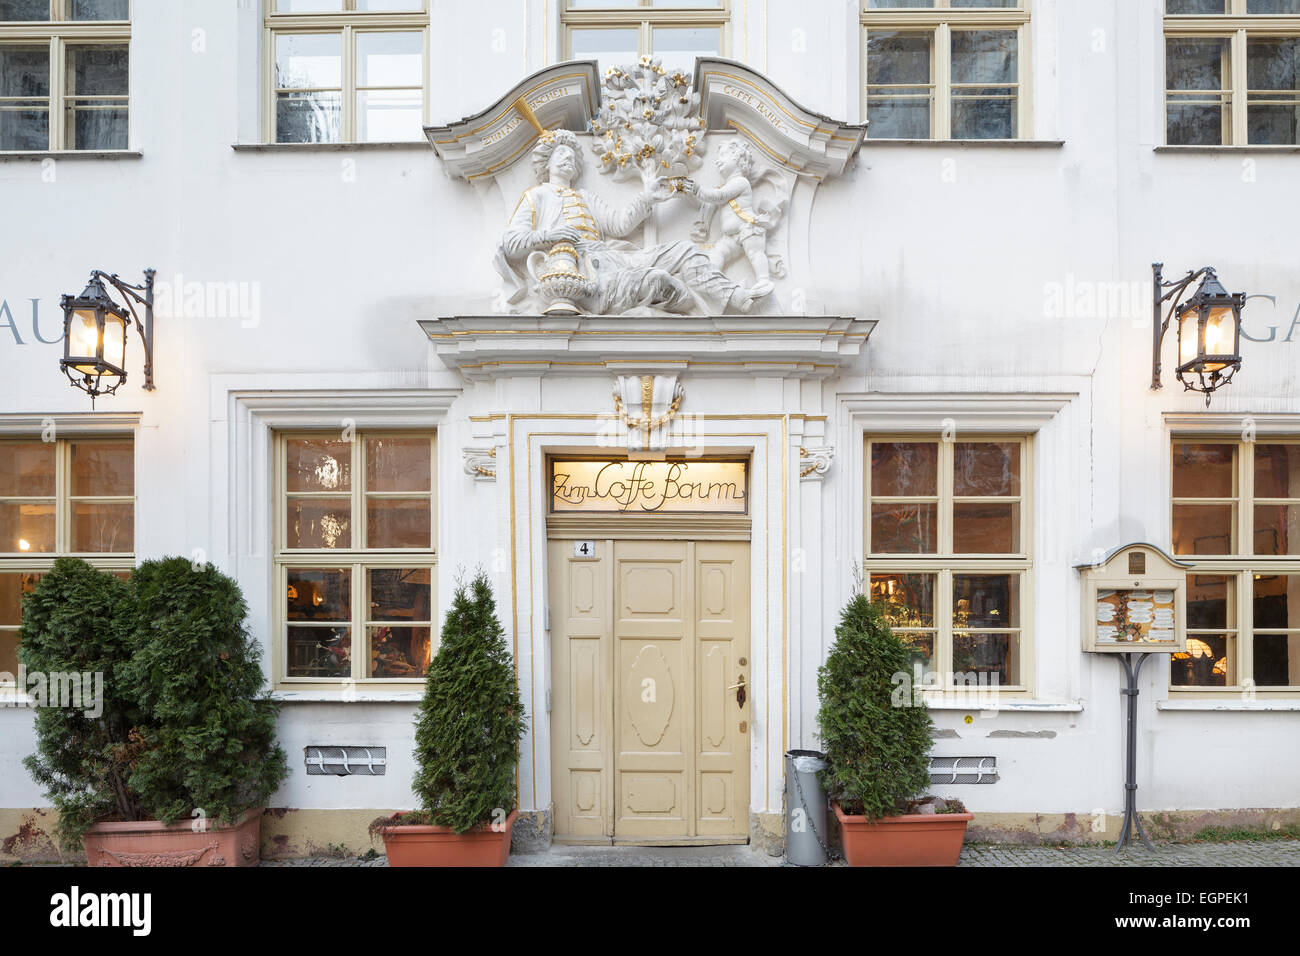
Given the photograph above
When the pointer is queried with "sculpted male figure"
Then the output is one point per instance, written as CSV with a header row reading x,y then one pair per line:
x,y
670,276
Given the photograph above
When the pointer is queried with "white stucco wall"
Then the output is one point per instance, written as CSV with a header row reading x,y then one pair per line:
x,y
953,249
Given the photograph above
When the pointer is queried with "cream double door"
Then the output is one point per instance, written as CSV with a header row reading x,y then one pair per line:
x,y
650,696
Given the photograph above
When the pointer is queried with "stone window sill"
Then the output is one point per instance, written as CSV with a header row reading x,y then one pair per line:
x,y
378,695
1202,704
971,143
37,154
421,145
1228,150
1023,706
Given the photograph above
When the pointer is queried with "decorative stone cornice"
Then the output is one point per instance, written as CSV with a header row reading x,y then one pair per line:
x,y
497,346
564,96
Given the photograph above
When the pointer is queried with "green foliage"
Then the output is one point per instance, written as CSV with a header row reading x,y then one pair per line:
x,y
1214,834
185,724
196,672
471,719
877,753
72,623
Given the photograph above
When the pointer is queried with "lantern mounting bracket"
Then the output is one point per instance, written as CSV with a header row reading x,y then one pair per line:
x,y
142,294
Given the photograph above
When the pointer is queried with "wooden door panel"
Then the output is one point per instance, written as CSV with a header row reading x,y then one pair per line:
x,y
580,731
722,629
652,708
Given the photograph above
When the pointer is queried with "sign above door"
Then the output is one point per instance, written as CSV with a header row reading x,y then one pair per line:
x,y
700,486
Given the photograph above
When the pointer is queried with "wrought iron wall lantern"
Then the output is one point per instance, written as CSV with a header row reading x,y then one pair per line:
x,y
95,333
1209,330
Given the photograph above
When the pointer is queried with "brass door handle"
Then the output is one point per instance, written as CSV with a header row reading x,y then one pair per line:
x,y
739,688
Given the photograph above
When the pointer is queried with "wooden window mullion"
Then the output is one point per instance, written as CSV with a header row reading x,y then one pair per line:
x,y
943,636
56,93
1244,618
942,123
945,463
1240,84
348,118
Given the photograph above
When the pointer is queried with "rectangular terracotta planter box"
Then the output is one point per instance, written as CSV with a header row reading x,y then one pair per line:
x,y
150,843
439,846
907,840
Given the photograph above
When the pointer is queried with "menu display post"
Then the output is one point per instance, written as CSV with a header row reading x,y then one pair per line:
x,y
1134,606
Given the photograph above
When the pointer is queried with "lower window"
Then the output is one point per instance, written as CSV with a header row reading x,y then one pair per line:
x,y
963,627
358,622
356,563
1239,643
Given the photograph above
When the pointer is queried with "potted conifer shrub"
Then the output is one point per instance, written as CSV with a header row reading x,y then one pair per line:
x,y
877,737
176,766
466,745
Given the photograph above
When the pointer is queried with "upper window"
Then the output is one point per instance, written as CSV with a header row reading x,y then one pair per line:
x,y
346,71
73,496
1232,72
613,32
947,552
1236,511
946,69
64,74
356,556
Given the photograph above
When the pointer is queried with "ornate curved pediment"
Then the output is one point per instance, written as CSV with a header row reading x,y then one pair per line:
x,y
564,96
735,97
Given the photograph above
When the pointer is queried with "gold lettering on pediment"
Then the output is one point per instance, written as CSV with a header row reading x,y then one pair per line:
x,y
501,132
513,122
762,107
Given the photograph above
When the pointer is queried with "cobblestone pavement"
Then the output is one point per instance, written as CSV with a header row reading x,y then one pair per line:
x,y
1253,853
1245,853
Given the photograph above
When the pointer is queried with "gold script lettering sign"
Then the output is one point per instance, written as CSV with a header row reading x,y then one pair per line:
x,y
649,487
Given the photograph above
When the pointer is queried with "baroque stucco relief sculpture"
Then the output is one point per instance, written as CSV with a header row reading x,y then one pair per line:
x,y
615,212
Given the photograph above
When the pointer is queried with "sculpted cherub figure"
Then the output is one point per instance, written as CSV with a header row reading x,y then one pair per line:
x,y
745,222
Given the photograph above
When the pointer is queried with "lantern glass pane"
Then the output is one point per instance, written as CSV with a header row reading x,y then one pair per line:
x,y
1188,338
114,340
1220,332
83,338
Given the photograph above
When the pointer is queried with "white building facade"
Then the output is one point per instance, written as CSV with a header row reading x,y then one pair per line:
x,y
397,341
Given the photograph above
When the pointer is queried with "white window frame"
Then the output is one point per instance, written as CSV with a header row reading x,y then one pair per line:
x,y
347,24
944,565
18,562
359,559
644,18
60,33
1241,565
942,19
1237,27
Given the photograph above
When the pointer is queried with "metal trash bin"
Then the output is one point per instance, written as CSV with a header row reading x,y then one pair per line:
x,y
805,809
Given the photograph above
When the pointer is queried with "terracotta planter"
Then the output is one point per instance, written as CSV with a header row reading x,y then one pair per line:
x,y
439,846
907,840
150,843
